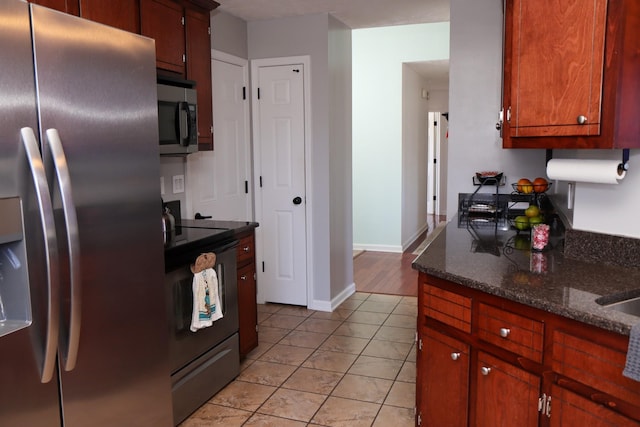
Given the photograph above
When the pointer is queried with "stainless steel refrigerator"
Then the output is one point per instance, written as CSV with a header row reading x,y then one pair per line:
x,y
83,329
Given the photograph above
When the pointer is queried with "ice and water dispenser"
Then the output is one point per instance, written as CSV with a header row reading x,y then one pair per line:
x,y
15,307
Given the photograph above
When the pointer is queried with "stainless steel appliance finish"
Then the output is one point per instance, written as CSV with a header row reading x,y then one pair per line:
x,y
87,346
177,119
202,362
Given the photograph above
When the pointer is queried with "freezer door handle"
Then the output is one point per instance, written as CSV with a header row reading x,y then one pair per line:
x,y
51,252
70,353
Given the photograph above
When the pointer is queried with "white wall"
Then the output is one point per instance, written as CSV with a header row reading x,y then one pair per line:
x,y
340,149
378,55
319,36
228,34
474,144
475,81
414,156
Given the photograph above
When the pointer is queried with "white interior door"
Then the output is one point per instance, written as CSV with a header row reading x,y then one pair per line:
x,y
220,181
279,142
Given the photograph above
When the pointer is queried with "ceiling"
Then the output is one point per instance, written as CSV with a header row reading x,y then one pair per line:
x,y
356,14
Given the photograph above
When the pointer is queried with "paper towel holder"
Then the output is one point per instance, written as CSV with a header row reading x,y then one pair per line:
x,y
624,166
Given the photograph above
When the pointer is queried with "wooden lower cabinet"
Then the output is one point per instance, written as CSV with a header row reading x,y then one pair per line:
x,y
444,379
247,292
485,361
505,395
570,409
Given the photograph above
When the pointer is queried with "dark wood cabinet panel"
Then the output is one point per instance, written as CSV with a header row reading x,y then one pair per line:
x,y
248,309
444,380
123,14
68,6
163,20
505,395
570,74
571,409
199,69
247,291
557,67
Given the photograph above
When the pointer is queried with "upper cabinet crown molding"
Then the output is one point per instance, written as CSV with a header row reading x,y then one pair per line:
x,y
571,74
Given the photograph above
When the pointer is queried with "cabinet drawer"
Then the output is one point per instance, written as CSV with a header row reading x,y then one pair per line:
x,y
246,249
447,307
510,331
595,365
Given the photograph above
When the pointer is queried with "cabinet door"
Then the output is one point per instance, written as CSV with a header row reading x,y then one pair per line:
x,y
67,6
570,409
443,378
505,395
199,69
163,21
557,62
123,14
247,309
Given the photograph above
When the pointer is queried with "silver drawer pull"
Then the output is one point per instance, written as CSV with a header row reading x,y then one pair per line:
x,y
582,120
504,332
246,249
455,356
485,370
243,277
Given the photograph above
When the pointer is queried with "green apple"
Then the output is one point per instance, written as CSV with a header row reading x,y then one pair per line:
x,y
521,222
535,220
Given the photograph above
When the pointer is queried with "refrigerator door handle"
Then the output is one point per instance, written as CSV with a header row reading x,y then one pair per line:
x,y
50,246
70,354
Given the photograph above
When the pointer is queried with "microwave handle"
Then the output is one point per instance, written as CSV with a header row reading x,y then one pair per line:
x,y
183,106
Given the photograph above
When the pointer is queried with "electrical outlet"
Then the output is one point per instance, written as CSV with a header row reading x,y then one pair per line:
x,y
178,184
162,185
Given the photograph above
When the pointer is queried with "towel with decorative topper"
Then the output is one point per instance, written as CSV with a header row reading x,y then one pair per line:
x,y
206,299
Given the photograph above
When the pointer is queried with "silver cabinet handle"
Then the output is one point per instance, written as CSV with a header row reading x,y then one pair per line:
x,y
243,277
455,356
70,353
51,252
582,120
485,370
505,332
246,249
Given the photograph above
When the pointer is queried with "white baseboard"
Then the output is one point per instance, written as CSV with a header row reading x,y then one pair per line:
x,y
378,248
329,306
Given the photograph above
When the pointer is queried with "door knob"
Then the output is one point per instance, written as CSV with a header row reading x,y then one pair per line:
x,y
297,200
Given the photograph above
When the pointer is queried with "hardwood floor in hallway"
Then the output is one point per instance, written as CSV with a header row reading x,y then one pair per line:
x,y
390,273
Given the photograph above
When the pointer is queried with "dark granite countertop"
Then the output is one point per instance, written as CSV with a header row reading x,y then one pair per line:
x,y
500,263
192,236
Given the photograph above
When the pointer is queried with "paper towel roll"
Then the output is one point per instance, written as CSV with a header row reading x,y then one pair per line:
x,y
585,170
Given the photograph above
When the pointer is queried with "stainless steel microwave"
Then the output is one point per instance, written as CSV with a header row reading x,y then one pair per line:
x,y
177,119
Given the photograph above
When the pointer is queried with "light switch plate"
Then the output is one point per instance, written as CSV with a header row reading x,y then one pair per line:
x,y
178,184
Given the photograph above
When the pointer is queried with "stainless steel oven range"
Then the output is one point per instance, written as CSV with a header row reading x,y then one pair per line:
x,y
202,362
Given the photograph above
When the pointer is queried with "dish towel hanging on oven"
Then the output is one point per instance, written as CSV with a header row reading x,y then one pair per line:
x,y
206,301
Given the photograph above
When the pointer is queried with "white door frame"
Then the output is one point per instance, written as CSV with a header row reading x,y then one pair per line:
x,y
257,167
433,168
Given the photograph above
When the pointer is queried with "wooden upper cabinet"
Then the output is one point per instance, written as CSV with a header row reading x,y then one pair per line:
x,y
570,76
163,20
558,50
68,6
123,14
198,37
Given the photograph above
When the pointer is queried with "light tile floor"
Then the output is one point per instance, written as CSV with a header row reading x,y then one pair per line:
x,y
352,367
